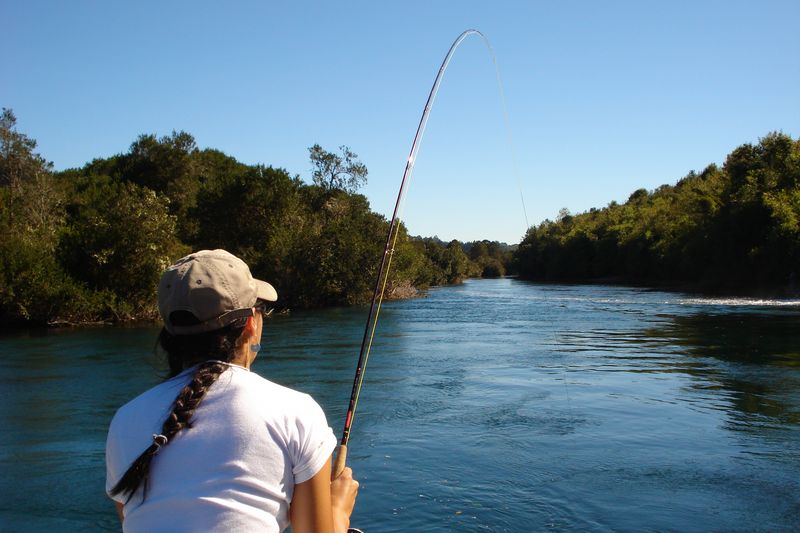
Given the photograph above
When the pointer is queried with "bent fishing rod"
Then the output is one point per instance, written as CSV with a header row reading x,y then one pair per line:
x,y
386,258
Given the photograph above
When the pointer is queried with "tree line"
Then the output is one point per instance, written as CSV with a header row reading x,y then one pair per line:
x,y
734,229
89,244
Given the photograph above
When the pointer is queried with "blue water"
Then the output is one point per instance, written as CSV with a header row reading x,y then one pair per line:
x,y
497,405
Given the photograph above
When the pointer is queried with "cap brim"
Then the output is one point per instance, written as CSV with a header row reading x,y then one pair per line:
x,y
265,291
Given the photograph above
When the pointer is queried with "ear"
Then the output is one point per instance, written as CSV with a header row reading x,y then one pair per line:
x,y
248,331
250,326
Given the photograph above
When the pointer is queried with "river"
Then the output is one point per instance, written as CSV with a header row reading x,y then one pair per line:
x,y
497,405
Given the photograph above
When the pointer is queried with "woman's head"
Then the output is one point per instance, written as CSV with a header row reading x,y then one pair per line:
x,y
212,286
207,301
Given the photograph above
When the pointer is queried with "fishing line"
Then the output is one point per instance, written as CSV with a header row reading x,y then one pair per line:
x,y
564,374
391,240
507,122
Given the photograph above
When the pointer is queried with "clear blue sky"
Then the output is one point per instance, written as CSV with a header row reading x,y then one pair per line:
x,y
603,97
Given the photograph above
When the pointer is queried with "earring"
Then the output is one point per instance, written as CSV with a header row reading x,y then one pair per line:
x,y
255,347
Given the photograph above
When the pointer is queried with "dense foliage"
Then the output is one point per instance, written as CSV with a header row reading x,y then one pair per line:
x,y
731,228
89,244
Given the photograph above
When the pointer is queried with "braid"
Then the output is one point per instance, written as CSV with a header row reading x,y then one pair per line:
x,y
183,351
190,397
181,417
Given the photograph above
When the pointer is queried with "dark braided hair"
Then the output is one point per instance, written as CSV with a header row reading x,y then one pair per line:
x,y
209,350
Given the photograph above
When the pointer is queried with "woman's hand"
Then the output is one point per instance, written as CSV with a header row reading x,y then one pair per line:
x,y
344,490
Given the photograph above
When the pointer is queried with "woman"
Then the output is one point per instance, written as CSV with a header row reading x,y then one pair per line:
x,y
216,447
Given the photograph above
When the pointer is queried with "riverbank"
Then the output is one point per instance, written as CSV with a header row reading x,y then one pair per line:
x,y
782,291
407,291
150,317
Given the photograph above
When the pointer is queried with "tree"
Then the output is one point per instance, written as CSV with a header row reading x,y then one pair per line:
x,y
32,201
732,227
331,171
454,262
165,165
337,258
258,216
33,287
120,238
18,162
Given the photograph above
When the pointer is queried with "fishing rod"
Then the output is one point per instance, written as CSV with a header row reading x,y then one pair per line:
x,y
388,252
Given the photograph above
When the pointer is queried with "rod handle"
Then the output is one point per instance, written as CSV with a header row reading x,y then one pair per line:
x,y
339,461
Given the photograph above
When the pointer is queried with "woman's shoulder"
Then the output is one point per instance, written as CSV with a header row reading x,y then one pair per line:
x,y
155,403
261,386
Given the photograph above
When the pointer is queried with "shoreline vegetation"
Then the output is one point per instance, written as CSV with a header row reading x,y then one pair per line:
x,y
732,230
86,246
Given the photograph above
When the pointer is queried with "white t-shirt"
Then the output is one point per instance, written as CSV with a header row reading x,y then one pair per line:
x,y
234,470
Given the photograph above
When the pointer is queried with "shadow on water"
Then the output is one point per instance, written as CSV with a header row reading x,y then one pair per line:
x,y
737,337
747,355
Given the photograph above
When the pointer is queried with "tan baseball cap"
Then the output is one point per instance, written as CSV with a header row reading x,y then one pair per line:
x,y
215,286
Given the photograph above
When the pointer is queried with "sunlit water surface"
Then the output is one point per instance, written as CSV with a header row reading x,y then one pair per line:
x,y
496,405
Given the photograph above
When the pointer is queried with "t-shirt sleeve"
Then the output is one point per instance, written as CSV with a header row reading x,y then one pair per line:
x,y
315,443
113,460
